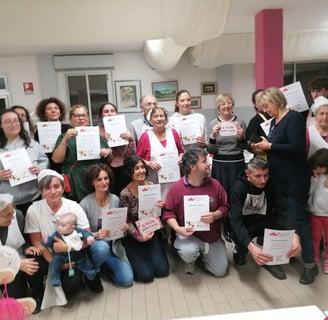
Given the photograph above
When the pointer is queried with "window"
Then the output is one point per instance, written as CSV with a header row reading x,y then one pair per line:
x,y
90,88
304,72
4,93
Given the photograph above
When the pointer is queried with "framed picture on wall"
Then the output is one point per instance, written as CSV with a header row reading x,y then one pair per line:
x,y
196,102
164,90
128,93
208,88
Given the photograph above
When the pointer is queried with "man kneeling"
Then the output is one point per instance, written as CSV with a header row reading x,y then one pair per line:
x,y
189,243
256,204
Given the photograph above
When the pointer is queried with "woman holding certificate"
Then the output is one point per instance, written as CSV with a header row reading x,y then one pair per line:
x,y
51,112
285,148
21,159
123,147
191,126
227,143
99,201
161,149
145,251
77,149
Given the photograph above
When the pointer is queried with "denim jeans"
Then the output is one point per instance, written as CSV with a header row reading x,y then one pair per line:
x,y
148,259
117,269
98,253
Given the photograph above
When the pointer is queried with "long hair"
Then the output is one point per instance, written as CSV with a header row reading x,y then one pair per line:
x,y
22,133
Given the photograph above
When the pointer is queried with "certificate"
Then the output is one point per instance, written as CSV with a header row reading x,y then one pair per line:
x,y
194,208
87,143
277,243
170,170
266,126
295,97
228,128
114,220
19,162
149,224
48,133
148,196
115,126
189,129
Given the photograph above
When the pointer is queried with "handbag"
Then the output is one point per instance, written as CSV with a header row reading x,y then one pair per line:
x,y
67,179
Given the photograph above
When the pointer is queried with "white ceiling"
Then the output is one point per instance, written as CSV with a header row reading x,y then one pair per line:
x,y
70,26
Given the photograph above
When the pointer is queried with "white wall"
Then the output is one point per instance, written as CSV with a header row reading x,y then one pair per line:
x,y
18,70
239,80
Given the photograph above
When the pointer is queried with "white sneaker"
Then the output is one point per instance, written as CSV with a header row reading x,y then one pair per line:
x,y
190,268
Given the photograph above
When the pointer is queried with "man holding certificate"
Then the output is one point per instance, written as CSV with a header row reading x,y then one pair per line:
x,y
256,204
194,208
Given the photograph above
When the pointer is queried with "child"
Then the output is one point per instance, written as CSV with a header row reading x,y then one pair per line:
x,y
72,236
318,203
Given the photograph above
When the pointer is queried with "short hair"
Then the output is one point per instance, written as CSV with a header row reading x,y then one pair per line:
x,y
141,101
258,163
157,108
254,95
102,106
78,106
68,218
223,97
93,173
41,108
46,181
130,163
5,200
319,82
191,157
319,159
273,95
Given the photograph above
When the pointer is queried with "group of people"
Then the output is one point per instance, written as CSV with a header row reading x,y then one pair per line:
x,y
59,232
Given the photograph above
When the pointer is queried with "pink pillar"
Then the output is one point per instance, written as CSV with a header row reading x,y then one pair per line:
x,y
269,64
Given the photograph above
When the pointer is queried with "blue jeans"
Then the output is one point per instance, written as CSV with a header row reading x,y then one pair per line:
x,y
117,269
148,259
98,253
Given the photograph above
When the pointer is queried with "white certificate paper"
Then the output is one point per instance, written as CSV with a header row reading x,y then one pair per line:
x,y
189,129
295,97
277,243
114,220
170,171
115,126
19,162
266,126
48,133
194,208
228,128
149,224
148,196
87,143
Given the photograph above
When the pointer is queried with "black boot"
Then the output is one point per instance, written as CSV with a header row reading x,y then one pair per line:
x,y
308,275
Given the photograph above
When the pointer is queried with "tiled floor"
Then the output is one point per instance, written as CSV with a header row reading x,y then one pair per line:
x,y
246,288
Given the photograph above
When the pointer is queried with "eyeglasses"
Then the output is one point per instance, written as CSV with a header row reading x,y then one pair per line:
x,y
10,122
148,104
79,115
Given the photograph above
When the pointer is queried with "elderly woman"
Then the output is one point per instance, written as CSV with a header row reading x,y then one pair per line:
x,y
13,136
226,143
160,140
51,109
66,153
183,112
120,153
11,234
317,134
145,252
116,265
41,220
285,148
